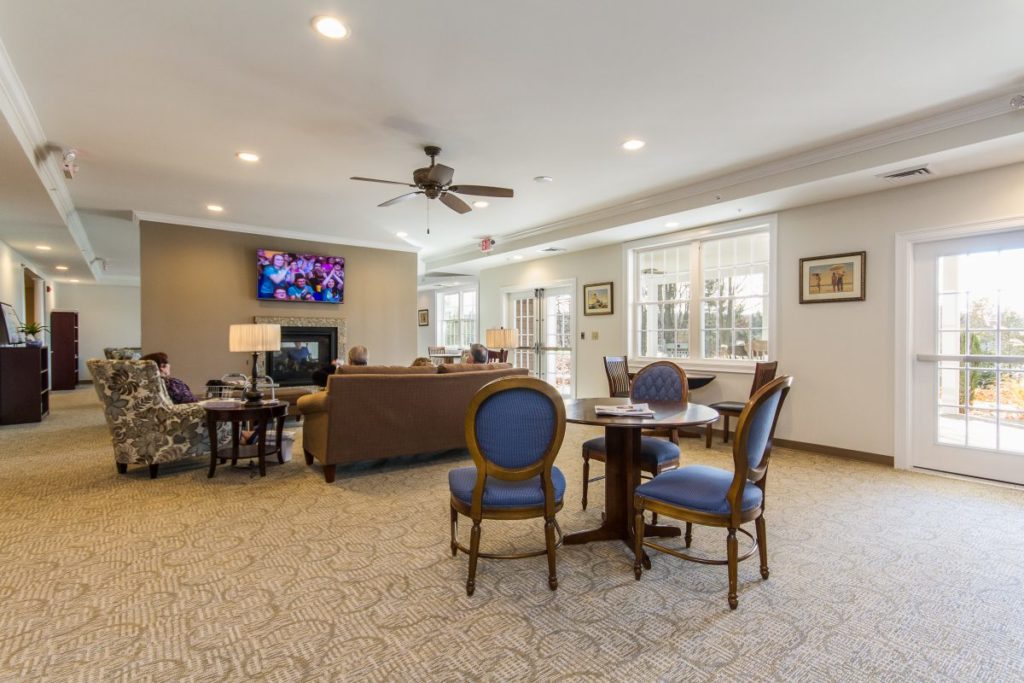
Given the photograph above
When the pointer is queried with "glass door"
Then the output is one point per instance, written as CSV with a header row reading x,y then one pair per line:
x,y
968,394
543,319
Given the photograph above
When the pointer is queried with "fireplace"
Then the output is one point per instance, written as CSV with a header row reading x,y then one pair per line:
x,y
304,350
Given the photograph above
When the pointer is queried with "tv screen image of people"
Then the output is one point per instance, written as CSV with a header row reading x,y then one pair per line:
x,y
288,276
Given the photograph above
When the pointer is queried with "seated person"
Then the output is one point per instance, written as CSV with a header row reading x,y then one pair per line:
x,y
421,362
357,355
178,390
321,375
477,353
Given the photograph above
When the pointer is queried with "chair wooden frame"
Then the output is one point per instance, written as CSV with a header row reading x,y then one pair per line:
x,y
764,372
672,434
616,368
484,468
733,519
497,356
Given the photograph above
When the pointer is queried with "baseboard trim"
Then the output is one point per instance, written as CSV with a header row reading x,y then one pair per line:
x,y
864,456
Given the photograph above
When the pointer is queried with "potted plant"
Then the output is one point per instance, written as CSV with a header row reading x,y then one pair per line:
x,y
33,333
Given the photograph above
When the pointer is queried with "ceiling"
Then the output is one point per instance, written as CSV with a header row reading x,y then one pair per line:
x,y
158,98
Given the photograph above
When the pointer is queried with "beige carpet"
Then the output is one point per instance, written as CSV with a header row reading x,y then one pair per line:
x,y
876,575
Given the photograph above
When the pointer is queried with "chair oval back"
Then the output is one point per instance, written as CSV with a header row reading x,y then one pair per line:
x,y
618,375
514,427
756,428
763,373
659,381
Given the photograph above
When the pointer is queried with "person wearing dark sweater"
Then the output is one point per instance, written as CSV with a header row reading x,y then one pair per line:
x,y
178,390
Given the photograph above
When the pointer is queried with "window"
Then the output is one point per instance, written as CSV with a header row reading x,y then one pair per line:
x,y
703,298
458,318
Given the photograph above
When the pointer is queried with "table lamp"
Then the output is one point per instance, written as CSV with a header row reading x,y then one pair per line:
x,y
501,338
254,338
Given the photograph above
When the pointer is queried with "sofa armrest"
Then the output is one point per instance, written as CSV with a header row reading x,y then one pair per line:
x,y
313,403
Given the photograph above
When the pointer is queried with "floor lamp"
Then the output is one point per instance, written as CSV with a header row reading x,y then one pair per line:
x,y
254,338
502,338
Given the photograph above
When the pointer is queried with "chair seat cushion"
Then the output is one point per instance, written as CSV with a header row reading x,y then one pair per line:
x,y
652,451
698,487
729,406
504,494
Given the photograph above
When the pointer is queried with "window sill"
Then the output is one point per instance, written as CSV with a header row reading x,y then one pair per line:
x,y
737,367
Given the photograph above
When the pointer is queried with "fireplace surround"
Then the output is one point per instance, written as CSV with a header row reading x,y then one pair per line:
x,y
305,342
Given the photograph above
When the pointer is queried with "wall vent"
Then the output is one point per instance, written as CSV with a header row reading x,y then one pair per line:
x,y
906,174
552,250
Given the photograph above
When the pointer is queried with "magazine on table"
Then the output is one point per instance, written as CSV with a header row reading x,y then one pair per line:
x,y
626,410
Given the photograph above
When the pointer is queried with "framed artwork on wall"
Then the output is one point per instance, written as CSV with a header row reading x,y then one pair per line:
x,y
597,299
839,277
423,317
8,324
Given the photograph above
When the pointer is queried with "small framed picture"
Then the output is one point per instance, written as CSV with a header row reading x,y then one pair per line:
x,y
423,317
839,277
597,299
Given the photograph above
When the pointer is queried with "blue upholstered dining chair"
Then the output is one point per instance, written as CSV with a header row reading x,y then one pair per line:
x,y
514,428
715,497
659,381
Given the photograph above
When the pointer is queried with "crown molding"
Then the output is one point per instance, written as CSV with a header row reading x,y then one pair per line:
x,y
21,116
153,217
993,105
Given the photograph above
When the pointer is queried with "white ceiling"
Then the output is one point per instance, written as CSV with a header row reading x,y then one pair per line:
x,y
158,97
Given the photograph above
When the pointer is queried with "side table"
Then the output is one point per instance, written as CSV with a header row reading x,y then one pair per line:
x,y
260,417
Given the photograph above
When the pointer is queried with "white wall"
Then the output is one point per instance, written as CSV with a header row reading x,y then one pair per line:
x,y
840,354
107,316
426,335
12,282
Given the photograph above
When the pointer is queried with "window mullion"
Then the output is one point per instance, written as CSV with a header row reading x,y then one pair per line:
x,y
696,302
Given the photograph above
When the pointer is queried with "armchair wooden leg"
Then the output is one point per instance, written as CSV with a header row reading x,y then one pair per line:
x,y
549,538
122,468
309,456
153,469
725,429
638,542
586,477
733,552
762,545
688,538
474,551
455,532
329,473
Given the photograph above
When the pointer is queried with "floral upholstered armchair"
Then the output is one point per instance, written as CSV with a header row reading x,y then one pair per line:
x,y
145,426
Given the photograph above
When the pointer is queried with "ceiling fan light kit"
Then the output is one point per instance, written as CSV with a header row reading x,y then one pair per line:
x,y
435,182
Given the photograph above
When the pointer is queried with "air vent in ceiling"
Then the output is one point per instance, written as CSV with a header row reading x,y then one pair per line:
x,y
552,250
906,174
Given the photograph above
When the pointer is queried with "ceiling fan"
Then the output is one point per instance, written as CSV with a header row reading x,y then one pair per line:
x,y
435,181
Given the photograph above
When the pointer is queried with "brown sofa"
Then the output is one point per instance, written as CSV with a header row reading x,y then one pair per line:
x,y
365,415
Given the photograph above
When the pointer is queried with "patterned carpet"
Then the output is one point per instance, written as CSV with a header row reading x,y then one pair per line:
x,y
876,575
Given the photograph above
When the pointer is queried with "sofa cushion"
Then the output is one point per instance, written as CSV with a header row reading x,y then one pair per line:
x,y
471,367
385,370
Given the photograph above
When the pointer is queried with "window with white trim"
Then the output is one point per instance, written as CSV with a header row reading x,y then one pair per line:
x,y
458,318
703,297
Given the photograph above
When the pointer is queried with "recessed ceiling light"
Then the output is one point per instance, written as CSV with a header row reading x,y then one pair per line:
x,y
43,247
672,224
216,208
481,204
248,156
72,280
62,267
401,234
633,145
543,179
517,257
330,27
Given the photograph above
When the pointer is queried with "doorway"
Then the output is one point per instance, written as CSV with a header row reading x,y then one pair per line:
x,y
967,393
543,320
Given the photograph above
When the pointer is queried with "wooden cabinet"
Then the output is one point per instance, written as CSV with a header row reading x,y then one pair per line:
x,y
64,343
24,384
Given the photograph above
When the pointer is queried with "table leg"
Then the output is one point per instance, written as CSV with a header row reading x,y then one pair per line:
x,y
211,428
236,428
280,432
263,446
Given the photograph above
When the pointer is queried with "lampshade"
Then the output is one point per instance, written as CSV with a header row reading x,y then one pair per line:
x,y
501,338
257,337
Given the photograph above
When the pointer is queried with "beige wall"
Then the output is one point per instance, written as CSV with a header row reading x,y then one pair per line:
x,y
196,282
840,354
107,316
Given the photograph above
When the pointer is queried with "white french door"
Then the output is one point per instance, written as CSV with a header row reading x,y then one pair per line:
x,y
968,377
543,320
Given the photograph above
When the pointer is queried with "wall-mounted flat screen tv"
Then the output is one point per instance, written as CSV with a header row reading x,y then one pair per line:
x,y
288,276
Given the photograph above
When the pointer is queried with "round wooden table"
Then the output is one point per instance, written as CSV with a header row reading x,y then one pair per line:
x,y
622,461
260,417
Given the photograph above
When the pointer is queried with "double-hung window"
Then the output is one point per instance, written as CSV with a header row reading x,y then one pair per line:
x,y
458,319
703,295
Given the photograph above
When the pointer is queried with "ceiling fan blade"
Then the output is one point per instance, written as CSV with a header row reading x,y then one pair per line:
x,y
440,174
400,198
377,180
454,203
482,190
